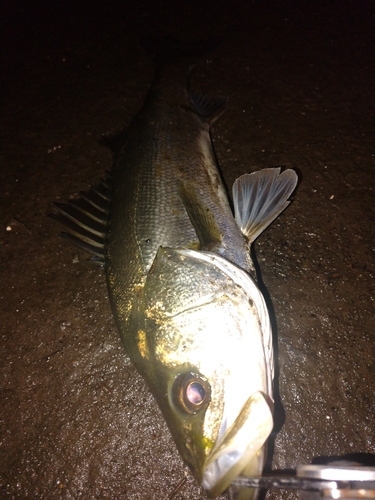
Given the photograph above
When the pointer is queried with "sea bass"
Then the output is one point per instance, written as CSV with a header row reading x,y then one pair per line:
x,y
178,269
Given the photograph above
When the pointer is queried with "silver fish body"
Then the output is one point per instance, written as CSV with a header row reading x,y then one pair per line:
x,y
177,265
167,152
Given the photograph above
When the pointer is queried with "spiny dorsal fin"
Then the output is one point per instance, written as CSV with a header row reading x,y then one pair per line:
x,y
209,108
260,197
85,220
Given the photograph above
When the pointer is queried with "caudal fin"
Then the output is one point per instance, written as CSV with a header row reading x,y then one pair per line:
x,y
260,197
208,108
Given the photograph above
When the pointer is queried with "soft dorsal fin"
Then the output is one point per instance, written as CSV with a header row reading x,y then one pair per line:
x,y
260,197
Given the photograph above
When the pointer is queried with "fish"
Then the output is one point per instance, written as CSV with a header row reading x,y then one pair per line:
x,y
181,281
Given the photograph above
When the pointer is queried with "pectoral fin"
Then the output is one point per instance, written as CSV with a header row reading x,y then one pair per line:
x,y
201,217
260,197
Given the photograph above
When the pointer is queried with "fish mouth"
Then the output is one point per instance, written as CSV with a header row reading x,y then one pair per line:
x,y
239,446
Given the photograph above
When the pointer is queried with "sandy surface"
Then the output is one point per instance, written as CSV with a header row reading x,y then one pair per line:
x,y
76,419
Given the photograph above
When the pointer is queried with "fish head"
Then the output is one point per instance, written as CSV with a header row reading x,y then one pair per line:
x,y
205,349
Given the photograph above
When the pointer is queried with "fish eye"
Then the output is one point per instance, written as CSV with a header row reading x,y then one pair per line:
x,y
191,392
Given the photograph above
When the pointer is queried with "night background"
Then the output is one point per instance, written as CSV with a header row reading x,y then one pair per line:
x,y
77,421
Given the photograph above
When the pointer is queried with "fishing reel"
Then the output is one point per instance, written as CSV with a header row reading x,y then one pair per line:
x,y
337,480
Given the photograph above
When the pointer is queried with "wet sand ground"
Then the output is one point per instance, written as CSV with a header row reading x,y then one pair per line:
x,y
76,419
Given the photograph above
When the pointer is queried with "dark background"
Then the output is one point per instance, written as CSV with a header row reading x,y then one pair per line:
x,y
76,420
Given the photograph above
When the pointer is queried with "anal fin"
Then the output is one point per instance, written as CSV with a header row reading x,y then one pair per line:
x,y
260,197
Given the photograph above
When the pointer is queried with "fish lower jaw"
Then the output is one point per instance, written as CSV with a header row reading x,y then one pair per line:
x,y
217,471
240,450
220,473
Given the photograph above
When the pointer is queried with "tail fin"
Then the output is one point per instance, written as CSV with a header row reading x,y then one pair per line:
x,y
208,108
260,197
